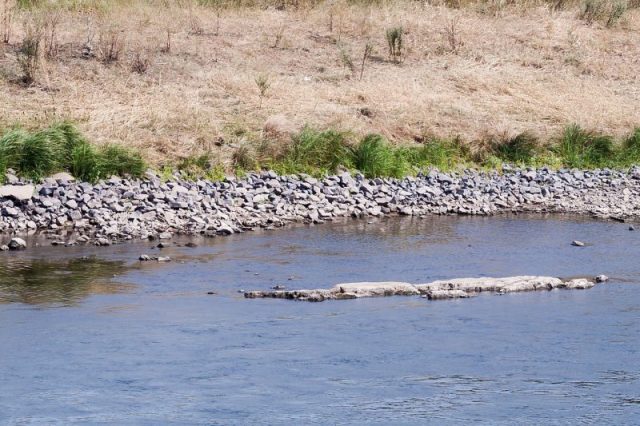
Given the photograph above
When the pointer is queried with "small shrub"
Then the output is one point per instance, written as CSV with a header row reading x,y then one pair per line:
x,y
592,10
263,84
244,158
368,49
28,55
110,44
394,42
374,157
140,63
51,22
277,42
345,57
607,11
167,43
452,36
8,8
616,10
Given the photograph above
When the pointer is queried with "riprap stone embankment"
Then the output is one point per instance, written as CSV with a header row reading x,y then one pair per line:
x,y
120,209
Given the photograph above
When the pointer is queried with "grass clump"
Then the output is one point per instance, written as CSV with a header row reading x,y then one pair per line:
x,y
608,12
62,148
630,151
583,149
325,151
117,160
34,155
395,43
443,154
521,149
28,55
374,157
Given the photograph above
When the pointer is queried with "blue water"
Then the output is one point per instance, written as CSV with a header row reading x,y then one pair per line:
x,y
150,346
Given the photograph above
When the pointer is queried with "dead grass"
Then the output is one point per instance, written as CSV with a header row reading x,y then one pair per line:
x,y
472,71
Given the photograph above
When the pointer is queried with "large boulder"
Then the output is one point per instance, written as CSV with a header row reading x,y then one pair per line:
x,y
17,192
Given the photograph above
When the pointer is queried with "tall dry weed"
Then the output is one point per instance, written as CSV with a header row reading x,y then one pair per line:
x,y
111,43
6,19
28,53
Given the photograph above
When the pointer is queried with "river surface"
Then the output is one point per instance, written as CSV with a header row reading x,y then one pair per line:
x,y
91,336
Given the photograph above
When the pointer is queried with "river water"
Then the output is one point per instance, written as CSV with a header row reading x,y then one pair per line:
x,y
91,336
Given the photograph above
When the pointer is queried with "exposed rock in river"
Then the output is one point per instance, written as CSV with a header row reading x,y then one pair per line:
x,y
436,290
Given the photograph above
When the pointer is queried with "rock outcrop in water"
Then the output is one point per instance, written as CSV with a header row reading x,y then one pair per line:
x,y
436,290
120,209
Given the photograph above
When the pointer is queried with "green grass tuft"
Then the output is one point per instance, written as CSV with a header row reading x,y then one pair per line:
x,y
521,149
374,157
325,151
84,162
40,155
120,161
443,154
582,149
61,147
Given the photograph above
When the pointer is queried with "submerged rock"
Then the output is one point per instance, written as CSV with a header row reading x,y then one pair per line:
x,y
459,288
579,284
375,289
447,294
17,244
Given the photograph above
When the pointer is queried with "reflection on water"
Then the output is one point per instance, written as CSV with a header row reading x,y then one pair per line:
x,y
57,282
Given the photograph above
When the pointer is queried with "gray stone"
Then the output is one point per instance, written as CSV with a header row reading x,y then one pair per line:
x,y
17,192
17,244
577,243
436,290
10,211
62,177
103,242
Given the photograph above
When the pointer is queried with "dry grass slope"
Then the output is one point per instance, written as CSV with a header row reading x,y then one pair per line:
x,y
178,78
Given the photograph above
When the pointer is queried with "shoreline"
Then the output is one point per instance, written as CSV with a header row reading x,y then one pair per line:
x,y
116,209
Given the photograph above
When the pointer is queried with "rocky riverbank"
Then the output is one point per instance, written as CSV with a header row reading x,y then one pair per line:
x,y
121,209
460,288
